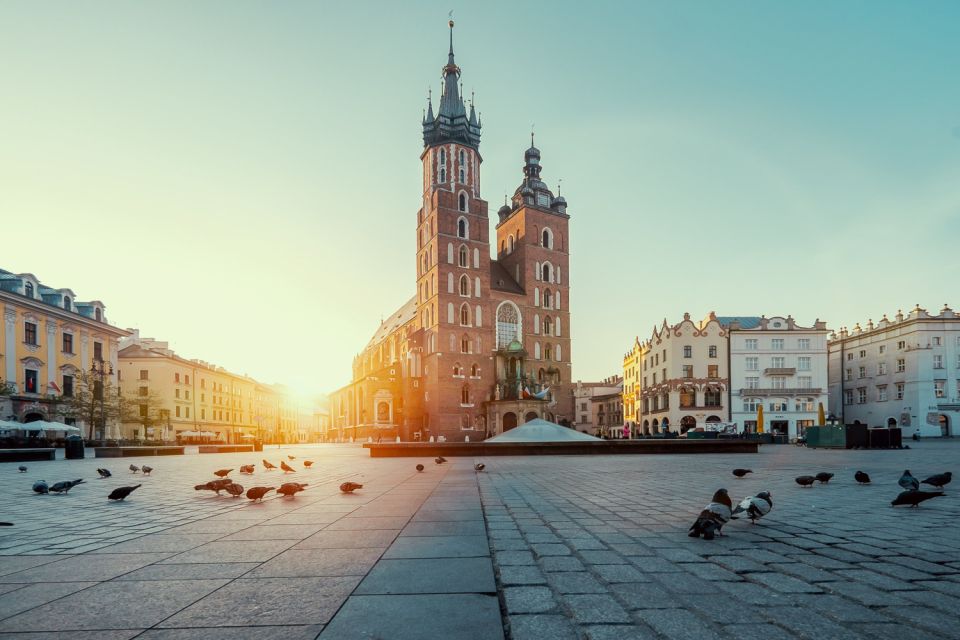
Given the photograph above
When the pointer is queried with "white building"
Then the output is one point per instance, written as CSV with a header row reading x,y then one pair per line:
x,y
584,395
902,373
776,363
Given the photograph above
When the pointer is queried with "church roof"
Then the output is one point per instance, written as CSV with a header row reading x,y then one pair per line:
x,y
452,122
501,280
400,317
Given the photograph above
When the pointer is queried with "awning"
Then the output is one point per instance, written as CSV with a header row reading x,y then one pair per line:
x,y
58,426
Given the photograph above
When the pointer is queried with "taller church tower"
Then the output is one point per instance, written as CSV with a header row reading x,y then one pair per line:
x,y
453,266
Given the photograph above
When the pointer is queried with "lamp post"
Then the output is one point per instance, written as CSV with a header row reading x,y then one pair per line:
x,y
99,371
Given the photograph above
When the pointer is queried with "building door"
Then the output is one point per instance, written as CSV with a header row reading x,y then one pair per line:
x,y
944,425
779,426
509,421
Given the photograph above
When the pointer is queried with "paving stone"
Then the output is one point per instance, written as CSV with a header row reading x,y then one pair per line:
x,y
520,575
85,568
560,563
286,632
893,632
439,547
618,632
865,594
550,550
758,632
505,558
102,634
192,571
114,605
529,600
615,573
540,627
298,563
838,608
808,624
575,582
677,624
646,595
415,617
784,583
590,608
25,597
429,575
683,582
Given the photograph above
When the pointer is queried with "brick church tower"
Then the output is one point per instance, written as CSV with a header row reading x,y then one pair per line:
x,y
453,265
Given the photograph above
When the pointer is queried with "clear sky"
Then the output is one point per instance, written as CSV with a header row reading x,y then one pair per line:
x,y
242,178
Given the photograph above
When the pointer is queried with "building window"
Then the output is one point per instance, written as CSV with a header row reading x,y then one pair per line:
x,y
938,361
98,351
463,198
30,333
547,299
861,372
186,379
849,356
144,374
688,371
751,404
711,398
176,393
546,240
752,344
28,289
688,398
68,343
938,388
937,341
881,368
901,365
883,349
777,344
861,395
752,382
464,285
465,344
778,382
804,404
713,371
547,352
803,344
778,405
67,386
98,315
143,391
688,352
881,393
848,374
465,395
465,315
474,371
176,378
778,362
545,274
863,353
804,382
803,363
848,397
464,257
177,411
547,326
752,363
901,345
712,352
463,229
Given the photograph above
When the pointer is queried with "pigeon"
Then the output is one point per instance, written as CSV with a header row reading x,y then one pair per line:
x,y
268,466
755,507
134,468
440,460
908,482
805,481
914,497
713,517
147,470
40,486
65,486
257,493
741,472
22,469
223,473
246,468
861,477
291,488
104,473
419,467
120,493
823,477
479,466
290,458
350,487
286,468
234,489
308,463
213,485
939,480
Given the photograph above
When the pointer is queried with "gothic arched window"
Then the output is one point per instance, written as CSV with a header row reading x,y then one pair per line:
x,y
508,324
547,239
465,314
463,196
464,257
464,285
545,274
463,228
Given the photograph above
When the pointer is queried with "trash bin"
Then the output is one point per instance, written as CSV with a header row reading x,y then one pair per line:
x,y
258,445
73,448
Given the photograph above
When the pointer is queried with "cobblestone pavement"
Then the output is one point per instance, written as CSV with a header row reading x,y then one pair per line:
x,y
597,547
540,547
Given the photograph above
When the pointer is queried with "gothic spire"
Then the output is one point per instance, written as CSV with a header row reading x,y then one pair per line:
x,y
452,122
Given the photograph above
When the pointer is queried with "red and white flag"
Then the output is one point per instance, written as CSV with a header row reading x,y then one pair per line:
x,y
53,385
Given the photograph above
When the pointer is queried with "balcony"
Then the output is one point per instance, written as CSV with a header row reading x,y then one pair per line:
x,y
787,391
780,371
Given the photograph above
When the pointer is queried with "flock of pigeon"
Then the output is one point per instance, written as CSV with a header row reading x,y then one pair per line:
x,y
720,509
64,486
287,489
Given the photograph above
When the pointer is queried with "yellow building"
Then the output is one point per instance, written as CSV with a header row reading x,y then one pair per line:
x,y
47,341
632,367
171,397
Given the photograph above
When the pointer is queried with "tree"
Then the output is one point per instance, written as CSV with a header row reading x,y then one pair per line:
x,y
144,409
95,401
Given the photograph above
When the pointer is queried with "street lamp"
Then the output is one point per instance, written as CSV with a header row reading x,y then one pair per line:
x,y
99,371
